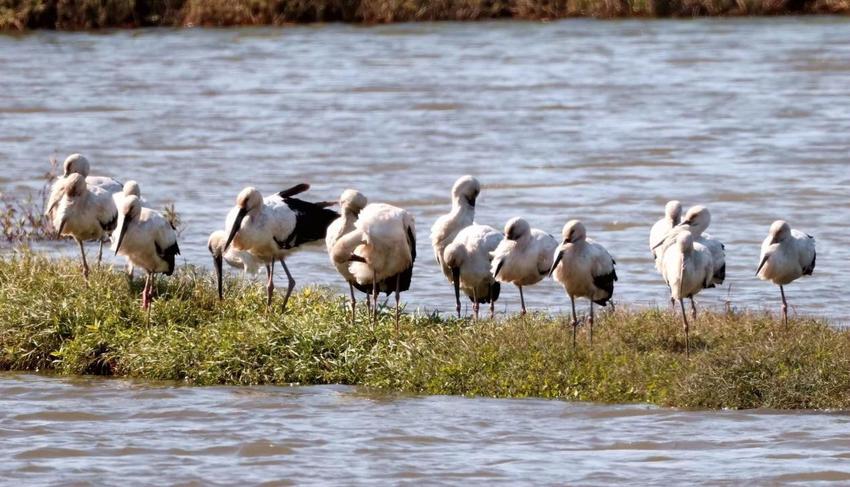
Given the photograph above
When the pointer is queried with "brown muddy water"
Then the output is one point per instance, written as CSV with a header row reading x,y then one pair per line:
x,y
603,121
109,431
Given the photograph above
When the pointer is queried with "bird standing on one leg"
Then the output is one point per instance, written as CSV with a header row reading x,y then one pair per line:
x,y
148,240
688,269
524,257
585,269
786,255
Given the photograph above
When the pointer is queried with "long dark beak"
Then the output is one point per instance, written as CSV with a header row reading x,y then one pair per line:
x,y
122,232
235,228
217,262
763,262
659,244
456,281
61,227
557,261
471,201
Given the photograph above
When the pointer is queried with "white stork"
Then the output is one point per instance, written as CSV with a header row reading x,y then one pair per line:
x,y
672,217
468,258
234,258
464,193
351,202
83,212
786,255
688,269
585,269
381,250
524,257
696,221
272,228
148,241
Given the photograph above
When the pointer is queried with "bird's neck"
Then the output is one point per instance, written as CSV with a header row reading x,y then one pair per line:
x,y
462,212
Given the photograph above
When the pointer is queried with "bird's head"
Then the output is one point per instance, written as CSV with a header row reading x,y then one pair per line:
x,y
454,255
779,231
673,211
352,201
131,207
697,219
75,164
466,189
216,242
131,188
516,228
75,185
573,231
249,199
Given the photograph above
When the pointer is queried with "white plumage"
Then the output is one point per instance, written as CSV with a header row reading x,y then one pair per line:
x,y
697,220
585,269
273,227
469,258
464,193
381,249
672,217
130,188
148,241
524,257
786,255
687,268
351,202
83,212
238,259
77,164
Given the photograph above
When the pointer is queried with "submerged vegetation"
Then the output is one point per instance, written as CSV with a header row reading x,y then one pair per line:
x,y
51,319
89,14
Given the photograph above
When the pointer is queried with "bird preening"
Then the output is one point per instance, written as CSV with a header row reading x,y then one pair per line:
x,y
372,246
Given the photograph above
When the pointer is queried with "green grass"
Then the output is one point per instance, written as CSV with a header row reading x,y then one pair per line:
x,y
51,319
91,14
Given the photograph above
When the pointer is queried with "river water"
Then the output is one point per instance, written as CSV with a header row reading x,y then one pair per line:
x,y
603,121
92,430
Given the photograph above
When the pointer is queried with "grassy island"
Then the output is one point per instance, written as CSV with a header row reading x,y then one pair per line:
x,y
52,320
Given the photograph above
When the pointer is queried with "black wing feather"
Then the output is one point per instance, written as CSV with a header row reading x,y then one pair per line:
x,y
810,269
605,283
168,256
311,222
297,189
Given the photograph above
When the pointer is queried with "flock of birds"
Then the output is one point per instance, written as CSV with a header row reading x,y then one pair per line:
x,y
373,245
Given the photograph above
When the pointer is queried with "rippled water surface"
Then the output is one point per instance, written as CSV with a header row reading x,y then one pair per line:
x,y
94,430
603,121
